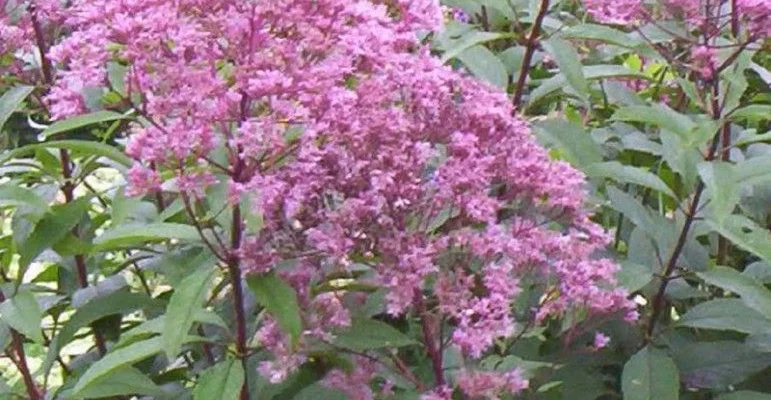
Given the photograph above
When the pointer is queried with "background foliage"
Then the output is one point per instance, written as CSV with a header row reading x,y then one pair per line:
x,y
678,167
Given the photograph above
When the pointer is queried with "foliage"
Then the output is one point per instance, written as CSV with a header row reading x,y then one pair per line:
x,y
385,199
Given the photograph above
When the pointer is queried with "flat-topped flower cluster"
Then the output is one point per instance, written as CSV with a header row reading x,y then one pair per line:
x,y
364,155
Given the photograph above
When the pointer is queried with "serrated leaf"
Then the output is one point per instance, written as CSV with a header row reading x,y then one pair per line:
x,y
628,174
752,293
131,234
280,300
186,300
53,227
369,334
222,381
725,314
81,121
116,359
484,64
22,313
11,100
650,375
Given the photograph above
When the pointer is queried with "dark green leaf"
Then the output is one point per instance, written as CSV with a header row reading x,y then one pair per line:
x,y
280,300
752,293
22,313
484,64
717,365
14,195
469,40
725,314
123,381
222,381
628,174
650,375
115,360
746,234
132,234
367,334
187,299
577,145
82,146
52,228
745,395
569,64
81,121
119,302
11,100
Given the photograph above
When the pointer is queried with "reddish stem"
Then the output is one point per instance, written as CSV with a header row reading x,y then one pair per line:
x,y
20,360
429,340
532,42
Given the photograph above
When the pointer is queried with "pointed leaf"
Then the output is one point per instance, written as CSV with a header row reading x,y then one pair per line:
x,y
116,359
81,121
131,234
752,293
368,334
628,174
650,375
569,64
121,382
22,313
52,228
484,64
11,100
280,300
725,314
187,299
222,381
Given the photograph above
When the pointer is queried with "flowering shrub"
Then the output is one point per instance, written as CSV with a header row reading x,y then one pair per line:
x,y
313,197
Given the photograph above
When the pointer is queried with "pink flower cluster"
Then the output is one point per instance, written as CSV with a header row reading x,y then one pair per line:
x,y
17,37
704,15
361,152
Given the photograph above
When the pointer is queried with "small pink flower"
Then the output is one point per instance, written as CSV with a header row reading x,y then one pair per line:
x,y
600,341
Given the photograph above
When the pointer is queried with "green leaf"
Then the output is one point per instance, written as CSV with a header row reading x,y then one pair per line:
x,y
744,233
187,299
11,100
368,334
484,64
121,382
131,234
115,360
726,315
81,121
633,276
654,225
52,228
222,381
752,293
569,64
745,395
628,174
717,365
22,313
753,112
600,33
469,40
14,195
82,146
753,170
658,115
650,375
719,179
118,302
590,72
577,145
280,300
